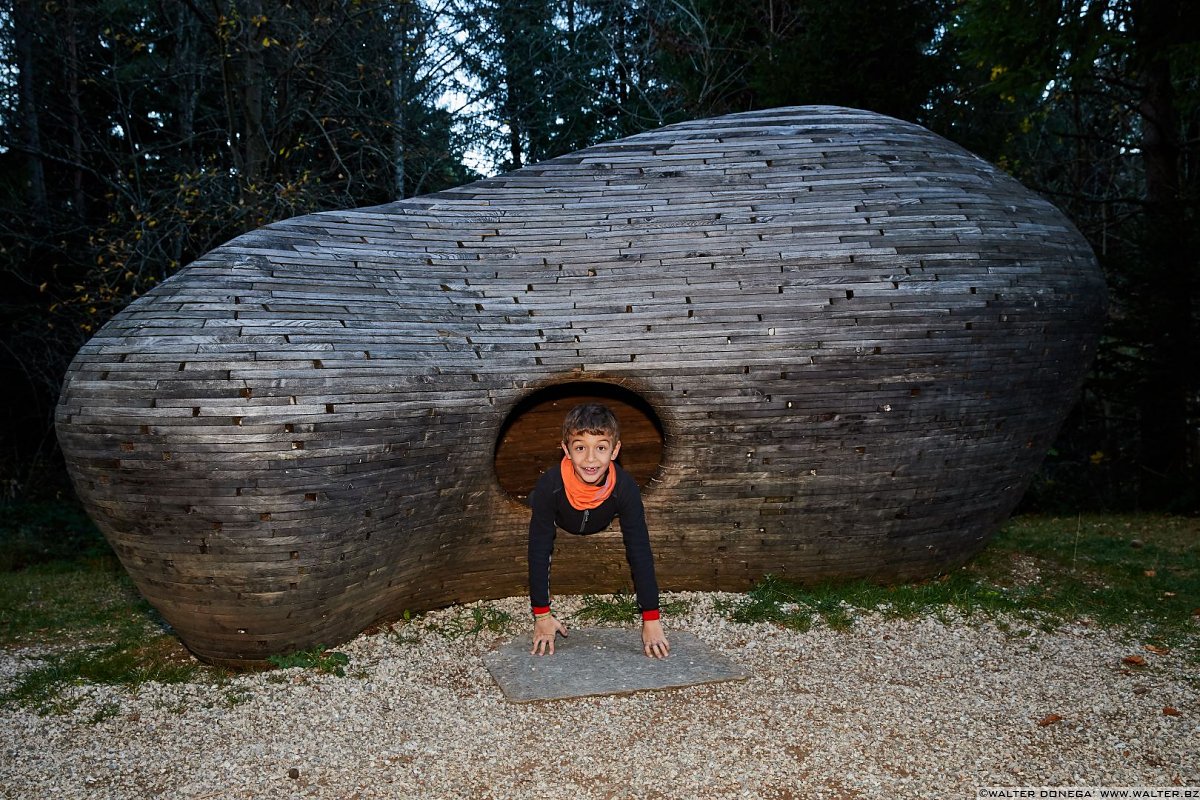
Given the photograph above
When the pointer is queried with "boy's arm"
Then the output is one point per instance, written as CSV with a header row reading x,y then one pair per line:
x,y
636,537
541,549
637,547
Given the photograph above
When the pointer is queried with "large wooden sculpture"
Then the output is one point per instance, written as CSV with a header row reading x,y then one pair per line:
x,y
842,343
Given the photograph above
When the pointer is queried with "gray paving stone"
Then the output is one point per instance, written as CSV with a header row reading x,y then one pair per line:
x,y
597,661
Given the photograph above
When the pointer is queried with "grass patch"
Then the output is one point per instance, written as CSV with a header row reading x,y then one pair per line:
x,y
1136,573
620,607
61,585
406,633
46,533
104,712
330,662
51,602
836,605
1139,572
132,660
59,579
473,621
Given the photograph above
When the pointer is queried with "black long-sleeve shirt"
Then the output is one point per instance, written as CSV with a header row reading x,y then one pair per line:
x,y
552,510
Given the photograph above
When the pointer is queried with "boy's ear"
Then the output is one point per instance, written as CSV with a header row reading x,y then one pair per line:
x,y
616,449
565,450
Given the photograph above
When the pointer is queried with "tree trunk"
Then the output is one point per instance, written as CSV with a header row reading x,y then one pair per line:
x,y
1171,253
514,141
253,94
75,114
24,24
186,72
401,88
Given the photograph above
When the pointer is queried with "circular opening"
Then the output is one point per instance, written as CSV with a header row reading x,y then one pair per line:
x,y
529,439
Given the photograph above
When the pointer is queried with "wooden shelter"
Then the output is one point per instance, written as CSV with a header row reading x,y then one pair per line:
x,y
839,344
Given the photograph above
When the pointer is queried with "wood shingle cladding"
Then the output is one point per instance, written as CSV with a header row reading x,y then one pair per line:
x,y
858,340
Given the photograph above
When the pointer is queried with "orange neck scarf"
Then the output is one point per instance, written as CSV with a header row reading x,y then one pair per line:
x,y
583,496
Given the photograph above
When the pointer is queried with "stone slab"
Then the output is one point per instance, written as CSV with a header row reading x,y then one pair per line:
x,y
600,661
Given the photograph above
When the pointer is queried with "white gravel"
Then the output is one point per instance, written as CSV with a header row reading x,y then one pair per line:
x,y
890,708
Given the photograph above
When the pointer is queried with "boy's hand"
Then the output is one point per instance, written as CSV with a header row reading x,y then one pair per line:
x,y
654,641
544,630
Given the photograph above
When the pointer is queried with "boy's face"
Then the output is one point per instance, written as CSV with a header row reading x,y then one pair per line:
x,y
590,455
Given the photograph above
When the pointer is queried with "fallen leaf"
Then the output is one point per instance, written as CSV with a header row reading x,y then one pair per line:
x,y
1158,651
1049,719
1136,661
1170,711
1150,573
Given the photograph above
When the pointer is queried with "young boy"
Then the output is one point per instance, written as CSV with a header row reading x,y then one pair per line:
x,y
582,496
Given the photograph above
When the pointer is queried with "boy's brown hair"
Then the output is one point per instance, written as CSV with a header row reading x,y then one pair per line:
x,y
593,418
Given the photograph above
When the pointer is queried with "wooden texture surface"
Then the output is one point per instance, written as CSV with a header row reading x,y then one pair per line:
x,y
857,338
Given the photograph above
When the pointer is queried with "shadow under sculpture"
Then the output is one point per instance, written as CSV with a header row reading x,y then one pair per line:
x,y
859,339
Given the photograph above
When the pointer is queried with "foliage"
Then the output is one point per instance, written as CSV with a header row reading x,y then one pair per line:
x,y
876,54
620,607
553,77
474,620
1094,105
137,136
330,662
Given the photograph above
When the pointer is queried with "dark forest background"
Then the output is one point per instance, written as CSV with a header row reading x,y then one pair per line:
x,y
137,134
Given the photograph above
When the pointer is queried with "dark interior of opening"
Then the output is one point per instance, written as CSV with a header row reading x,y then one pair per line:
x,y
528,443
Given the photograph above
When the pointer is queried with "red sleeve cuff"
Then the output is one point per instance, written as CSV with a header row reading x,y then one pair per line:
x,y
541,609
650,615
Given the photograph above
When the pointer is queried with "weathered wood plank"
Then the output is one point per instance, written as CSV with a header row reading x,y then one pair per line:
x,y
837,343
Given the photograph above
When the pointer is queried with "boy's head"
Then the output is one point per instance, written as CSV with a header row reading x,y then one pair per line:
x,y
592,418
591,439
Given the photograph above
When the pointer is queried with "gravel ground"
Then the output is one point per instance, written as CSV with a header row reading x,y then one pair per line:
x,y
890,708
